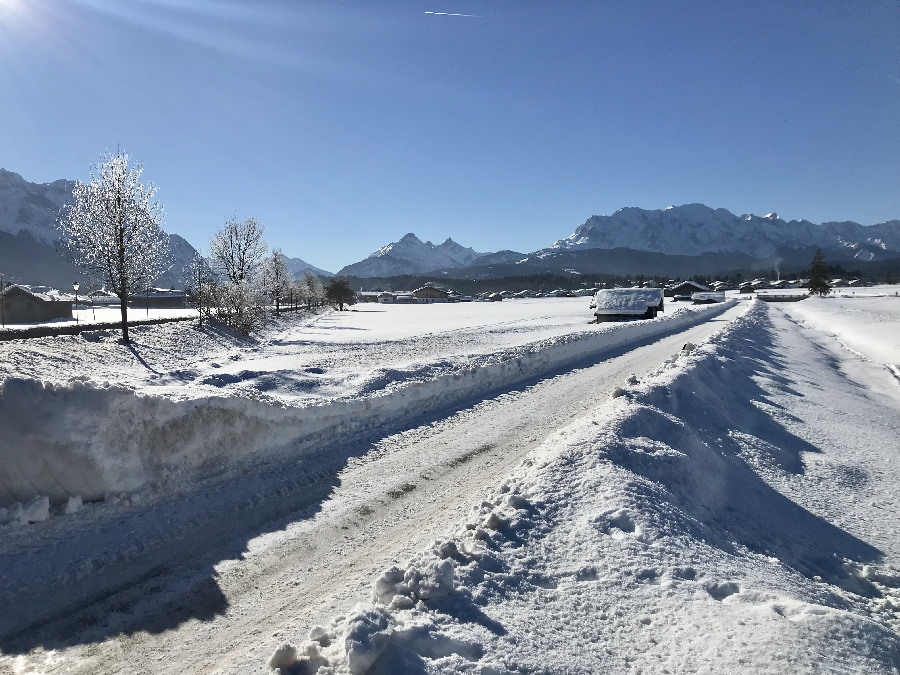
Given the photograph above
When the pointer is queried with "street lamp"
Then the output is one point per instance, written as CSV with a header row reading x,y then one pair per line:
x,y
75,306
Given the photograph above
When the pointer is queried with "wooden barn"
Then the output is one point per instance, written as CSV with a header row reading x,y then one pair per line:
x,y
34,304
685,290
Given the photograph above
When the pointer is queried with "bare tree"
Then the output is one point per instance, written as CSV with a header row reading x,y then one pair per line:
x,y
113,228
198,279
237,250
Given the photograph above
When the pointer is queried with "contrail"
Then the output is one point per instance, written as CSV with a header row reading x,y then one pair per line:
x,y
450,14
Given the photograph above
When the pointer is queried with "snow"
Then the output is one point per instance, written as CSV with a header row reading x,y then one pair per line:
x,y
627,300
690,526
863,321
733,507
75,434
102,316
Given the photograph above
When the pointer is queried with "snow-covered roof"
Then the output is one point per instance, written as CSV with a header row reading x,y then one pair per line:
x,y
626,300
159,292
45,293
690,284
708,296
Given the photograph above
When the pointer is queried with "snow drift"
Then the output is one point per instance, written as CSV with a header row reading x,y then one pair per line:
x,y
649,539
87,438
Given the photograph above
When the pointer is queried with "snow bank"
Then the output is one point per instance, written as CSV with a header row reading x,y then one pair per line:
x,y
86,438
649,539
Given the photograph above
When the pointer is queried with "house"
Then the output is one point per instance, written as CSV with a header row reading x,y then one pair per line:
x,y
368,296
746,287
34,304
430,293
685,290
102,297
622,304
158,298
709,297
386,298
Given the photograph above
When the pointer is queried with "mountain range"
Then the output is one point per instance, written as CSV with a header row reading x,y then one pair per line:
x,y
411,255
675,241
693,229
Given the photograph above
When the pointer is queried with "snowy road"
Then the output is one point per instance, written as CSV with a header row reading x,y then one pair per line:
x,y
212,583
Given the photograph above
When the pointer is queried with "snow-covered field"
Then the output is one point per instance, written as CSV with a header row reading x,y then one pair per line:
x,y
732,506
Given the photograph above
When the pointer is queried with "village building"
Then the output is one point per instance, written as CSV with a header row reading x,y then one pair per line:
x,y
708,297
621,304
685,290
429,293
157,298
34,304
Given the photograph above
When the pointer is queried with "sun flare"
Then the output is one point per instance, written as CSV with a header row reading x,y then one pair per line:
x,y
9,7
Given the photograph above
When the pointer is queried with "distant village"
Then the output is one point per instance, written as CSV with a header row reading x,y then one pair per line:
x,y
33,304
676,290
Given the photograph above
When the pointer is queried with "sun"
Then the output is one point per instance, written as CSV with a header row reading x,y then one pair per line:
x,y
9,7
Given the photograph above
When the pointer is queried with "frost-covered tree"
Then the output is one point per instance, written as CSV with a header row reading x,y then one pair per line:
x,y
236,253
237,250
818,275
276,278
113,227
200,277
238,304
315,290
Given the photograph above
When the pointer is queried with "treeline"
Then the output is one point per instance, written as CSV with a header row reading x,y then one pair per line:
x,y
887,271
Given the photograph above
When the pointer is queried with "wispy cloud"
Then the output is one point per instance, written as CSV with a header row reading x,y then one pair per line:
x,y
451,14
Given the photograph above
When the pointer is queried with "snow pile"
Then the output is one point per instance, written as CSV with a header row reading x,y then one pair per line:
x,y
691,526
88,438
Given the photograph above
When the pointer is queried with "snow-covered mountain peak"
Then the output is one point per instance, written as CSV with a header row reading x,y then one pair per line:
x,y
693,229
410,255
31,207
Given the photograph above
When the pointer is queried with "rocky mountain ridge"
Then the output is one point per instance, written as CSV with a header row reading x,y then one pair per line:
x,y
693,229
669,241
411,255
29,252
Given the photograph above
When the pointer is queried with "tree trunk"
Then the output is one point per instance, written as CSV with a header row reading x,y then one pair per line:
x,y
123,303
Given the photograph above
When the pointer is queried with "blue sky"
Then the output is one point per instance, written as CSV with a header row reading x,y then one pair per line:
x,y
342,125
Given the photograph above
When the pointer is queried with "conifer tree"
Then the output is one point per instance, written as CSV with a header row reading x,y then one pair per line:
x,y
338,291
818,275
